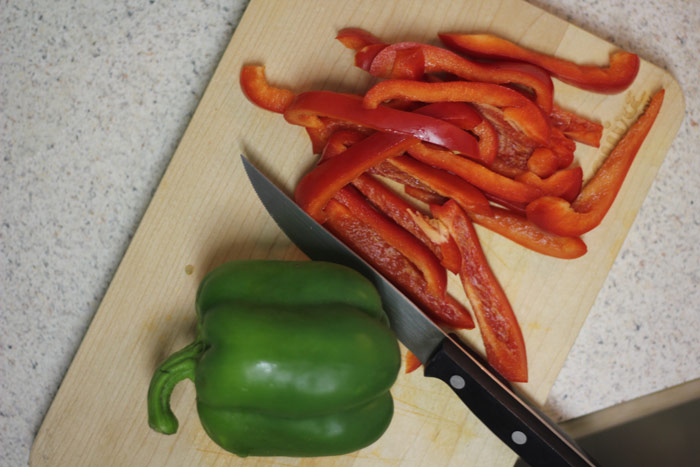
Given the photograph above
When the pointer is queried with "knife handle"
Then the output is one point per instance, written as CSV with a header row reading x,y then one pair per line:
x,y
527,431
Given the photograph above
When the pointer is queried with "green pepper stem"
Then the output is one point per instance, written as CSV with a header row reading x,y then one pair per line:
x,y
177,367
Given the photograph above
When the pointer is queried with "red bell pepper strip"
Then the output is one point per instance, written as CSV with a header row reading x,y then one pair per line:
x,y
513,146
412,362
488,140
320,137
411,171
396,236
576,127
461,114
425,196
318,186
563,147
344,138
390,171
408,217
445,184
499,328
357,39
256,88
406,63
615,78
340,141
476,174
504,168
517,109
466,117
412,186
587,211
517,208
543,162
394,266
365,56
389,63
563,183
393,206
309,106
523,232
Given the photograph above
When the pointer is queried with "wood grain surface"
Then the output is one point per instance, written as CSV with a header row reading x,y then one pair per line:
x,y
204,213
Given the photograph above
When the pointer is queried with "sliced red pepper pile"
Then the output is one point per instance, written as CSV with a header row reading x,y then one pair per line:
x,y
468,142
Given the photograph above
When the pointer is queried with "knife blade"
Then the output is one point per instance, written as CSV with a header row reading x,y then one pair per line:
x,y
522,427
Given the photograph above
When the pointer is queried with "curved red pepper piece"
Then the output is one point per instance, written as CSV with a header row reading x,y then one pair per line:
x,y
488,140
320,137
384,63
309,106
317,187
499,328
543,162
365,56
523,232
340,141
393,265
563,183
437,59
615,78
396,236
518,110
404,63
256,88
476,174
445,184
587,211
576,127
357,39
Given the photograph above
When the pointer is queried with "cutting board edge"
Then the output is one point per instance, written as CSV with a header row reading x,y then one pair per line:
x,y
41,432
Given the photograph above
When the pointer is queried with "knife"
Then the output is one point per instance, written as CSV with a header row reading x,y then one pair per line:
x,y
523,428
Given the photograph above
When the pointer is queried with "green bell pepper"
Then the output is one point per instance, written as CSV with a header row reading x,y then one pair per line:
x,y
290,359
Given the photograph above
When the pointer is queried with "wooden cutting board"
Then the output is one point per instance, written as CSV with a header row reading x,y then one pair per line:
x,y
204,213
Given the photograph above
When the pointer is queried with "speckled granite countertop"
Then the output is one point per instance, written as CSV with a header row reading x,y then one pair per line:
x,y
94,97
